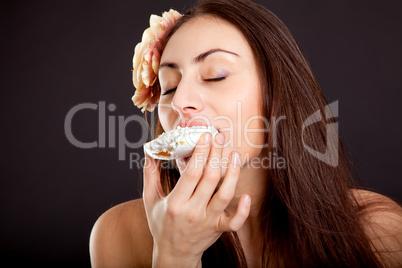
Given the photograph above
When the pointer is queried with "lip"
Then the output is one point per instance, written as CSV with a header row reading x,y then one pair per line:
x,y
192,124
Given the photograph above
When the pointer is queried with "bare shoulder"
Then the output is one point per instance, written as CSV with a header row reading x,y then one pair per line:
x,y
382,219
121,237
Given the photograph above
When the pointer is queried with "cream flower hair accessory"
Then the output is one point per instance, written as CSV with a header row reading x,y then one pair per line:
x,y
146,60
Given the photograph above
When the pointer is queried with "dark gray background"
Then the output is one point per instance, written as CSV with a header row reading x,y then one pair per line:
x,y
57,54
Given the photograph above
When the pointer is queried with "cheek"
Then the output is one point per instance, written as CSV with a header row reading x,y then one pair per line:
x,y
253,124
253,133
248,123
166,115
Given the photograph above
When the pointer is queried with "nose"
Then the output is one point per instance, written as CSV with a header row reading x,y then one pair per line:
x,y
187,100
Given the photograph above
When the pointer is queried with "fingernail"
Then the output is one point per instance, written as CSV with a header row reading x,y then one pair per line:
x,y
220,138
235,158
207,138
247,200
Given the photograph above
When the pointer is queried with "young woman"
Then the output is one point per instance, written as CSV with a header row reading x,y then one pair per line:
x,y
253,196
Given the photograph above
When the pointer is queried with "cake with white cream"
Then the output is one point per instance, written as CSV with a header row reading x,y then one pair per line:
x,y
178,143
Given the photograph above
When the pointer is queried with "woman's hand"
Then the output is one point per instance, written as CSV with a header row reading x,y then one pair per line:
x,y
188,221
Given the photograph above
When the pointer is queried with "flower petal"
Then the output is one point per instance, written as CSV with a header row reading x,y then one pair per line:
x,y
136,64
156,57
146,60
169,18
147,74
142,96
156,27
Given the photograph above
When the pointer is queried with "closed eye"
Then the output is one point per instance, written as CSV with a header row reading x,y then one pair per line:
x,y
217,79
169,91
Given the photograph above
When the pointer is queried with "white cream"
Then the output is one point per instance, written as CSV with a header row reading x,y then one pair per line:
x,y
177,143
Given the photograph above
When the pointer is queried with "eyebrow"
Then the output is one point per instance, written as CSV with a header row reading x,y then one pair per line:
x,y
199,58
202,56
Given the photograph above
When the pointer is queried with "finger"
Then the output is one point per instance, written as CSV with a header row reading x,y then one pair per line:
x,y
224,195
212,174
152,184
233,223
192,174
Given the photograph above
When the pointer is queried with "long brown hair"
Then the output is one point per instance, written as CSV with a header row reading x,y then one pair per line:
x,y
309,217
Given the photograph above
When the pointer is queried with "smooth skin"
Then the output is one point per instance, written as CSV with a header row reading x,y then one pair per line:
x,y
174,230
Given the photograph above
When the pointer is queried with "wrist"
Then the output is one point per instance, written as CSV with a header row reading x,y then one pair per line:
x,y
169,260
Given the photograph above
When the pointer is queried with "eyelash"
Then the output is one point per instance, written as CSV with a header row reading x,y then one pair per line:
x,y
168,91
215,79
206,80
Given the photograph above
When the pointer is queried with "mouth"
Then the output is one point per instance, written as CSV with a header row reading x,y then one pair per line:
x,y
193,123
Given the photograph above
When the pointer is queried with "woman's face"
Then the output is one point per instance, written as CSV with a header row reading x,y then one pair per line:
x,y
208,76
